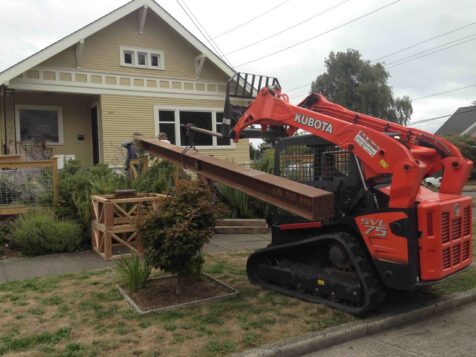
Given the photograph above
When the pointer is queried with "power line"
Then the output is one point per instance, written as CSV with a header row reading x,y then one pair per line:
x,y
443,116
304,85
431,51
409,47
444,92
288,28
422,42
413,100
251,20
321,34
200,27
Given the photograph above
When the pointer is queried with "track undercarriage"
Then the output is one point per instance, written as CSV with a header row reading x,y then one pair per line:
x,y
331,269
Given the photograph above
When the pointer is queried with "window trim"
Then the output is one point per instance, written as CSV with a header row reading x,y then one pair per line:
x,y
59,111
135,57
177,110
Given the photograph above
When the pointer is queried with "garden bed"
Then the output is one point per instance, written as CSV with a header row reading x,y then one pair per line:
x,y
159,294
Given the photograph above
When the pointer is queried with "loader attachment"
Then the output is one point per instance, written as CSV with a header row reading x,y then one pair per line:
x,y
240,88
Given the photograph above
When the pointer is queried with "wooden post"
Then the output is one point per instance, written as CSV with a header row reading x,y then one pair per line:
x,y
55,179
109,223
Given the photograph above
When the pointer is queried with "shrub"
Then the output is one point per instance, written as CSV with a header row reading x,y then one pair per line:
x,y
5,234
241,205
133,273
158,178
39,232
77,184
174,236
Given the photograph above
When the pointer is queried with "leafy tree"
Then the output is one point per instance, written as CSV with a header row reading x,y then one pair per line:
x,y
361,86
466,144
174,236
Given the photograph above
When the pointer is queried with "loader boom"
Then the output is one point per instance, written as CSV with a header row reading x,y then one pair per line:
x,y
384,148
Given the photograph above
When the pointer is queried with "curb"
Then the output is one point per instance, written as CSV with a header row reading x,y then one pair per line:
x,y
315,341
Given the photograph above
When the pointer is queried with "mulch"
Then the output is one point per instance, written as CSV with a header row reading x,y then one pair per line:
x,y
160,292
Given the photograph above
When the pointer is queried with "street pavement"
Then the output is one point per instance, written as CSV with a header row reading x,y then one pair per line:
x,y
449,334
56,264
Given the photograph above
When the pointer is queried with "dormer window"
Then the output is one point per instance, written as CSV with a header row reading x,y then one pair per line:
x,y
128,57
142,58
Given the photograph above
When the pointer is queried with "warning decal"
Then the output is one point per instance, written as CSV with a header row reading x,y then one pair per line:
x,y
366,143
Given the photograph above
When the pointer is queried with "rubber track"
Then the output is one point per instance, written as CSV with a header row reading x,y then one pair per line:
x,y
372,288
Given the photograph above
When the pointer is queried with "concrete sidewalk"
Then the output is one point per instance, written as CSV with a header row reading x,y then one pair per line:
x,y
56,264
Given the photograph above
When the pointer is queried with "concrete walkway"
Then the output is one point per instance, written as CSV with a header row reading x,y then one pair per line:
x,y
448,334
56,264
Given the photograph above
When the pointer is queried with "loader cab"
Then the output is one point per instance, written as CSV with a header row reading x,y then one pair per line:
x,y
316,162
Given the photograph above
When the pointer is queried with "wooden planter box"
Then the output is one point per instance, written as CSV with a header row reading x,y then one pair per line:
x,y
113,227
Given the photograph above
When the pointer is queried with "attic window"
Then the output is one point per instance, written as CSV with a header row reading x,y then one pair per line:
x,y
128,57
142,58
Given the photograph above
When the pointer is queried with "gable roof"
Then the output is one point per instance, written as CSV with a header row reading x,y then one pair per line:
x,y
463,121
103,22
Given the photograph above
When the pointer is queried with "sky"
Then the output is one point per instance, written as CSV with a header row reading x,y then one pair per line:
x,y
376,28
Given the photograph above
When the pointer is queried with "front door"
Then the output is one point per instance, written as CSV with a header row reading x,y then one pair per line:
x,y
95,134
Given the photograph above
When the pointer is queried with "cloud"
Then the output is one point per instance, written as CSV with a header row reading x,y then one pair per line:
x,y
400,25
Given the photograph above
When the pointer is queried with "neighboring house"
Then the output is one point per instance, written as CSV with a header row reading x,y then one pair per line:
x,y
462,122
134,70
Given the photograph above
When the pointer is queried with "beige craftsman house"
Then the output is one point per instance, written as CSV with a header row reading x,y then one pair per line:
x,y
134,70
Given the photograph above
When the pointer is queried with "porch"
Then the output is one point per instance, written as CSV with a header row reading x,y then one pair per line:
x,y
39,125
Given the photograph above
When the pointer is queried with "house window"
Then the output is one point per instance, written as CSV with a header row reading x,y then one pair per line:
x,y
128,57
142,58
171,121
167,124
221,141
39,123
154,60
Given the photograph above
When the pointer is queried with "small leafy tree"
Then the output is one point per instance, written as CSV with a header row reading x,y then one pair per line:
x,y
174,236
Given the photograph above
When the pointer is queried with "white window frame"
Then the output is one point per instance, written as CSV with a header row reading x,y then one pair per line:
x,y
59,111
148,60
177,110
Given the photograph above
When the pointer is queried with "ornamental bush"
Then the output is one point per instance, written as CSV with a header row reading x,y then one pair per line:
x,y
39,232
174,236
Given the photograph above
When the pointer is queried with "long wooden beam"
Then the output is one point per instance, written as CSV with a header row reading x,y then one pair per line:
x,y
306,201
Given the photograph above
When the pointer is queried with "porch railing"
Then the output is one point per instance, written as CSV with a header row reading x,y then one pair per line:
x,y
25,184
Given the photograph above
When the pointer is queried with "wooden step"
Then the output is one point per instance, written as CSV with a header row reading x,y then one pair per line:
x,y
242,222
241,229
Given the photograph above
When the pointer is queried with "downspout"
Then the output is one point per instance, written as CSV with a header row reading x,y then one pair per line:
x,y
14,120
4,91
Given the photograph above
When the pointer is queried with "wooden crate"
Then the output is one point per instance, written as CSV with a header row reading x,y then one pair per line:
x,y
113,225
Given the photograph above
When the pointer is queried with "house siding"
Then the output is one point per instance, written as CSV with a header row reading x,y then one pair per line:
x,y
76,120
102,53
124,115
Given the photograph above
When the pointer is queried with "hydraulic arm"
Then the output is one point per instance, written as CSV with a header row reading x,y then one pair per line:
x,y
384,148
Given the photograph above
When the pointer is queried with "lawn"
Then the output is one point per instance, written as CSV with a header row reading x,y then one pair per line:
x,y
84,315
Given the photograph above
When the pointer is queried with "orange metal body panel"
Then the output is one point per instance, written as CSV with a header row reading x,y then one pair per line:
x,y
445,223
381,242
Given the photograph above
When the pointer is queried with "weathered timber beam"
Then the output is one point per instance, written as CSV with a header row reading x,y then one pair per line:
x,y
306,201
